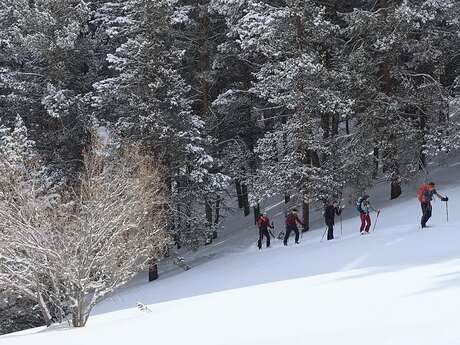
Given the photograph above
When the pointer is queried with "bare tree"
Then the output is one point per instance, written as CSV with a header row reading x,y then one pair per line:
x,y
26,223
70,253
118,227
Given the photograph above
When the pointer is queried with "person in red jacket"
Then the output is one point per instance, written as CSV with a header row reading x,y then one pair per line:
x,y
291,225
263,223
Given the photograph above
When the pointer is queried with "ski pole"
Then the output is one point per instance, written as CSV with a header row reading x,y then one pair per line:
x,y
341,231
270,233
447,212
322,238
376,219
341,202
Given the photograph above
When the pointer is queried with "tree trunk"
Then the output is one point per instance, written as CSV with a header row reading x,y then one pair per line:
x,y
311,157
386,78
45,310
256,213
153,271
209,222
306,215
335,125
392,152
239,193
422,165
79,316
395,189
325,125
314,159
216,218
208,210
376,162
246,208
204,56
204,84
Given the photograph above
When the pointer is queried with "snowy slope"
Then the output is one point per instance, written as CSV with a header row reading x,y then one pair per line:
x,y
399,285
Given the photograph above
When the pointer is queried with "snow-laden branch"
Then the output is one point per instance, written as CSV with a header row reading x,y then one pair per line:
x,y
68,256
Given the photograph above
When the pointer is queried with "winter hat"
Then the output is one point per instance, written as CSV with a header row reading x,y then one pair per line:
x,y
366,196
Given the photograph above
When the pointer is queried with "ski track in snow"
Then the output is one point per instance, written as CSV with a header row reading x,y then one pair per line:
x,y
398,285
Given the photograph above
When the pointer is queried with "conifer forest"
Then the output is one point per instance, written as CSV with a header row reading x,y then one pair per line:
x,y
127,127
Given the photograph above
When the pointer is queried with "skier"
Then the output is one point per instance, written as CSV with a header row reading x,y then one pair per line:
x,y
291,225
329,215
425,195
364,206
263,223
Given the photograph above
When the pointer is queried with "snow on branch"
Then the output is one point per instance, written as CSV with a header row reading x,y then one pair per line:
x,y
100,234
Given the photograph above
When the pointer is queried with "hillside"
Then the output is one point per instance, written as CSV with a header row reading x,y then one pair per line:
x,y
399,285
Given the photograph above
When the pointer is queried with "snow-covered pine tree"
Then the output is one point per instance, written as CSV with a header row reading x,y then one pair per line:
x,y
236,118
399,54
302,85
149,102
46,62
197,32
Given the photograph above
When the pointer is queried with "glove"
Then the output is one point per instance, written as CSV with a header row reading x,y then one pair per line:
x,y
445,199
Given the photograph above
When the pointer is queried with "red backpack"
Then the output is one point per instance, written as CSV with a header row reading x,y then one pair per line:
x,y
291,219
263,221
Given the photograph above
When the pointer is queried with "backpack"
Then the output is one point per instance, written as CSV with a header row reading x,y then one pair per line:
x,y
263,221
421,192
424,193
359,205
291,219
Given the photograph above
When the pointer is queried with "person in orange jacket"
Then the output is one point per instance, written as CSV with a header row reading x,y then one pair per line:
x,y
425,196
263,223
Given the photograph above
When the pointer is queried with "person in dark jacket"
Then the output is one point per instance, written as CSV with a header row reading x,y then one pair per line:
x,y
425,196
263,223
329,216
291,225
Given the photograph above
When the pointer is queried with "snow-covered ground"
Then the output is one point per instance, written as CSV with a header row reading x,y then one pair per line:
x,y
399,285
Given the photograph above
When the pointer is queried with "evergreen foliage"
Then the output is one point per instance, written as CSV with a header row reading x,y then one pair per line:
x,y
280,97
